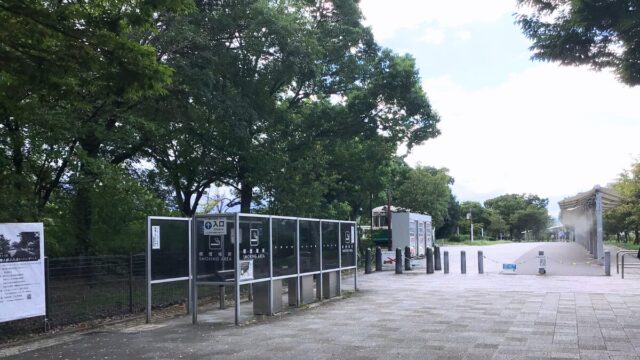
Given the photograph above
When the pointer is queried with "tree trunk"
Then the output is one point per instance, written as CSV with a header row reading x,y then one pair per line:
x,y
246,197
637,239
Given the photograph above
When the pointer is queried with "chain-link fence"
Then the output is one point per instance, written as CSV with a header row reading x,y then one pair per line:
x,y
81,289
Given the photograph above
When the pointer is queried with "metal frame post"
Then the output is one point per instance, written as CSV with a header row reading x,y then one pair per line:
x,y
194,268
271,312
340,245
148,258
321,275
236,266
355,255
298,278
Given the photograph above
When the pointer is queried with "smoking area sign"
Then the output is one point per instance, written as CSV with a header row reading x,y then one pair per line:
x,y
215,227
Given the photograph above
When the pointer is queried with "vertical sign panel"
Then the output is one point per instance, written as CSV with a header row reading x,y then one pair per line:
x,y
22,293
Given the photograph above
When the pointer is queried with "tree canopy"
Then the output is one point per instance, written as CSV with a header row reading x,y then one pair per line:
x,y
111,111
597,33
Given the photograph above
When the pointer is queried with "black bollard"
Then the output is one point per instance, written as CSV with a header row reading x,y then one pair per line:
x,y
367,261
446,262
407,258
429,261
378,258
463,262
480,262
398,261
436,257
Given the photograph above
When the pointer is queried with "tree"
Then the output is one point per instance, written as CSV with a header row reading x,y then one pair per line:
x,y
71,73
521,212
5,246
261,81
597,33
426,190
626,216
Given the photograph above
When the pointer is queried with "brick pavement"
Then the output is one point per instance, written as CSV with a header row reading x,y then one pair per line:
x,y
409,316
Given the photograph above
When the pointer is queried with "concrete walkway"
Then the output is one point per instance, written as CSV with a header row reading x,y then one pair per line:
x,y
408,316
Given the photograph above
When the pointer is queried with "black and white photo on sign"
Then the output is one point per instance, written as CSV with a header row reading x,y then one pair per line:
x,y
22,293
19,244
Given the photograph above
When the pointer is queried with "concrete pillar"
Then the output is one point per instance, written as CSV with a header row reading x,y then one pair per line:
x,y
367,261
429,261
407,258
446,262
607,263
398,261
436,257
463,262
599,227
480,263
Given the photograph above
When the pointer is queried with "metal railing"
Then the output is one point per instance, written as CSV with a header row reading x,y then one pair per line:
x,y
623,265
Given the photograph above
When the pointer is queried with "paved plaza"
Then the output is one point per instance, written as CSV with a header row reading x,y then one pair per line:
x,y
408,316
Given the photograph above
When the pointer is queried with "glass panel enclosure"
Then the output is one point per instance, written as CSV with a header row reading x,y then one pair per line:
x,y
170,259
254,244
330,245
348,244
215,254
284,246
309,246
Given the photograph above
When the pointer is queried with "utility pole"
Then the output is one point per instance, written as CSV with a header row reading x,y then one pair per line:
x,y
470,218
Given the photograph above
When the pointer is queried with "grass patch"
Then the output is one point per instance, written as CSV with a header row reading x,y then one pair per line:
x,y
470,243
628,245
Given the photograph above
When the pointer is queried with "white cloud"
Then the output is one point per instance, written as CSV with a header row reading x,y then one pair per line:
x,y
433,36
463,35
389,17
549,130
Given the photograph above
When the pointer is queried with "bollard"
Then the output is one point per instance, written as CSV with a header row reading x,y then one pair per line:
x,y
542,263
398,261
378,258
463,262
407,258
480,262
429,261
436,257
367,261
607,263
221,297
446,262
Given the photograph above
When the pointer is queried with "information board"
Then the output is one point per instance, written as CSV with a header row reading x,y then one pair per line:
x,y
22,288
169,247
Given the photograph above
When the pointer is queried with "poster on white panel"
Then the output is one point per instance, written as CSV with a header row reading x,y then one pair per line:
x,y
22,293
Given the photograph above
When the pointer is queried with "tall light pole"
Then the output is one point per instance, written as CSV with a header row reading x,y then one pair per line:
x,y
469,217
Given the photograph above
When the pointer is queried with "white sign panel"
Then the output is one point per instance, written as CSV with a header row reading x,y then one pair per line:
x,y
155,237
388,260
22,293
246,270
215,227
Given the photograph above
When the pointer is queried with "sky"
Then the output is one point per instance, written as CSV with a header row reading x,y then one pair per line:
x,y
509,124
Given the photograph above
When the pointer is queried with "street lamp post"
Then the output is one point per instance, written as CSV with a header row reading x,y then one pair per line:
x,y
469,217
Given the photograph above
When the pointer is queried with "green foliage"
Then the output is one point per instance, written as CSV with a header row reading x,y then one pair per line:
x,y
519,212
426,190
600,34
625,217
118,217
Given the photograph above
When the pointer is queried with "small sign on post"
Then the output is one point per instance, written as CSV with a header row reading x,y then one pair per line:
x,y
155,237
215,227
542,267
509,268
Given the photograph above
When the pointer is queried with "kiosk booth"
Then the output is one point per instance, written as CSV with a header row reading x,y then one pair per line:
x,y
262,251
